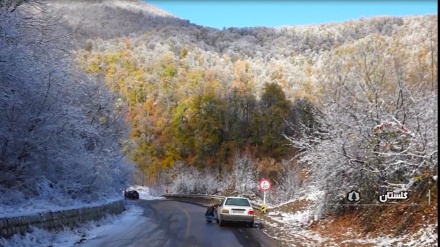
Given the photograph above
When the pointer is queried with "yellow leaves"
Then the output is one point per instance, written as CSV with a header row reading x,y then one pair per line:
x,y
93,68
112,59
194,79
345,50
171,156
153,169
90,63
161,123
148,104
308,91
110,76
170,70
135,133
246,67
241,71
168,162
243,79
199,58
128,65
183,52
138,75
212,85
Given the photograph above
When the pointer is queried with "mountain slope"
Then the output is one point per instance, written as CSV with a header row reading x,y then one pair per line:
x,y
110,18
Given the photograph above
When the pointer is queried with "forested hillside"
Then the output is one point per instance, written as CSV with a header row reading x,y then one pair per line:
x,y
339,102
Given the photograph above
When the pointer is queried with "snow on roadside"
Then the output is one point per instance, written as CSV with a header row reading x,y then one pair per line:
x,y
70,237
35,206
291,228
299,218
293,235
282,204
302,217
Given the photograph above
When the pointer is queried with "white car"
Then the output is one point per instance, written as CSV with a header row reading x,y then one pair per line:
x,y
235,209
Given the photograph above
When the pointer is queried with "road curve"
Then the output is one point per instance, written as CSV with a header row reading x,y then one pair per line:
x,y
167,223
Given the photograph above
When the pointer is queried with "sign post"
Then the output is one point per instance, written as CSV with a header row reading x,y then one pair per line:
x,y
264,185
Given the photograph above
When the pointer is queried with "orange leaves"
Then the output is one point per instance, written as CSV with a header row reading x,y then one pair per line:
x,y
241,71
212,85
309,91
243,79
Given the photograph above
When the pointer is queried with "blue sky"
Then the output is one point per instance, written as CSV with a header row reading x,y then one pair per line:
x,y
247,13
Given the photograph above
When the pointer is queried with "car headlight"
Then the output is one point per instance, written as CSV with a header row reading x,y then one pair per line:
x,y
225,211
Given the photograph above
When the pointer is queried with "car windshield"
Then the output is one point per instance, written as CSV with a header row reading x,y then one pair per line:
x,y
237,202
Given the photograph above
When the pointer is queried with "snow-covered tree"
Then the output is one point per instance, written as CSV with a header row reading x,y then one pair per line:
x,y
60,135
375,130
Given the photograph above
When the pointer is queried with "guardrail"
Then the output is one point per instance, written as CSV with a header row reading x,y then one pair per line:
x,y
52,220
214,197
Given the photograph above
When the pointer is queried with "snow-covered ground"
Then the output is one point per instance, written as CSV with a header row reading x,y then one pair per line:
x,y
129,219
292,227
291,231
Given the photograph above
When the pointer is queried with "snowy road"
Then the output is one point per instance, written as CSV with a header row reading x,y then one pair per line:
x,y
171,223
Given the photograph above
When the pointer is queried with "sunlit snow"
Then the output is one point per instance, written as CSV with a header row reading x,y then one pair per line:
x,y
94,230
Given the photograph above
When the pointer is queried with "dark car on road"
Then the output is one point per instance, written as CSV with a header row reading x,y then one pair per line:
x,y
131,194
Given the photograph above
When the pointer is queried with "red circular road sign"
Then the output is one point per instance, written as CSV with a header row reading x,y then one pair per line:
x,y
264,184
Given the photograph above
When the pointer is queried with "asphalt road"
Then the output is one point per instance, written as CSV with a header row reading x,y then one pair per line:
x,y
167,223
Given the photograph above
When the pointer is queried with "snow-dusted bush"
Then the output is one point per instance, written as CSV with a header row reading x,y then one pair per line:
x,y
189,180
241,180
288,184
244,175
